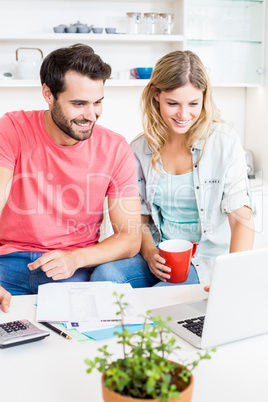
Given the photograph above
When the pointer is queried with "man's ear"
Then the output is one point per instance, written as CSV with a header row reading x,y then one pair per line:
x,y
49,98
155,93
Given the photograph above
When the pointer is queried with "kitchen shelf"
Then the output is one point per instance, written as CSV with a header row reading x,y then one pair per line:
x,y
113,1
217,30
63,37
227,3
199,40
228,36
126,83
13,83
16,83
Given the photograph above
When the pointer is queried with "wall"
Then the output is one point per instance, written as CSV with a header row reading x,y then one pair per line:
x,y
244,109
121,104
256,139
256,119
121,110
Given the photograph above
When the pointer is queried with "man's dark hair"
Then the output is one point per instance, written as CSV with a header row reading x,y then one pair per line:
x,y
78,58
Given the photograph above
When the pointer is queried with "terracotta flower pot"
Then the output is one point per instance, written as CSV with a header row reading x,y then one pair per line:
x,y
111,396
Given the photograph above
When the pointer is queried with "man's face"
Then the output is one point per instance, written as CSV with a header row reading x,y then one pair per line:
x,y
77,109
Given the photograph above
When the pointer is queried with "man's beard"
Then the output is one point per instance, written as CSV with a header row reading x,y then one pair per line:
x,y
62,123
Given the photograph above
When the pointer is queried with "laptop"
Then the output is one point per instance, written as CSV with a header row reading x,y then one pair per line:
x,y
237,306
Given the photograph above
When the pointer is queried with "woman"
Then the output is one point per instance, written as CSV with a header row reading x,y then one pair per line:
x,y
191,169
191,172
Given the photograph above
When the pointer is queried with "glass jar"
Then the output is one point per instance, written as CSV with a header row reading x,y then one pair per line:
x,y
150,23
134,23
166,23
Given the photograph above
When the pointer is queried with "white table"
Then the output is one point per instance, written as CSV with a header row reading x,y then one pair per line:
x,y
54,370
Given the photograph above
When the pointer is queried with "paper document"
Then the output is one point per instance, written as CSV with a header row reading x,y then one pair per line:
x,y
89,303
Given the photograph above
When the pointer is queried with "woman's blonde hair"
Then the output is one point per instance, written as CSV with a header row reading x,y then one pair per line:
x,y
173,71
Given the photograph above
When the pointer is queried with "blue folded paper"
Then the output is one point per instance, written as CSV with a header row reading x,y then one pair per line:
x,y
100,334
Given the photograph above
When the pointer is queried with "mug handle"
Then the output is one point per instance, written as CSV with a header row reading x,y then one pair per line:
x,y
134,73
194,248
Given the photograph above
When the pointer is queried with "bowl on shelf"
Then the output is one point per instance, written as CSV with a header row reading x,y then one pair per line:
x,y
97,30
71,29
60,28
110,30
84,29
143,73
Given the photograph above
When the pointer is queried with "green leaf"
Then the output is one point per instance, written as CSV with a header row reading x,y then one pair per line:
x,y
150,385
143,371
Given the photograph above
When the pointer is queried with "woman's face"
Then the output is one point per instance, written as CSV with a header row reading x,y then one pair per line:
x,y
180,108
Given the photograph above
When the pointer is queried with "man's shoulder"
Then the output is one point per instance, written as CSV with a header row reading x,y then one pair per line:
x,y
20,117
103,133
110,145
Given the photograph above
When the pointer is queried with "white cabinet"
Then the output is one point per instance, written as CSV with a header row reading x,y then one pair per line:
x,y
122,51
136,51
227,35
261,217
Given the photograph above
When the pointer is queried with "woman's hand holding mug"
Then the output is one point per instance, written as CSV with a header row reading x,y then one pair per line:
x,y
177,254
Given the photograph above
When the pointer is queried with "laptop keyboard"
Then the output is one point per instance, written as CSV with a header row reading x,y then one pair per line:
x,y
194,325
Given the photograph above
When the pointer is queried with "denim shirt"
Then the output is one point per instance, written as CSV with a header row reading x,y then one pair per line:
x,y
221,186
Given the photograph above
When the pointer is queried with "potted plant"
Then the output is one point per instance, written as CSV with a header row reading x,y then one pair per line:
x,y
145,372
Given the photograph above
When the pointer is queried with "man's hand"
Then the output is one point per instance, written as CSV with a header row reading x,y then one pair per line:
x,y
56,264
5,298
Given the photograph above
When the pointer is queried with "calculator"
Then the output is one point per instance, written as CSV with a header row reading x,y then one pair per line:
x,y
18,332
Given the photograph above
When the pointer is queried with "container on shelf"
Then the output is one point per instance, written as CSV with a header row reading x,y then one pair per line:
x,y
212,29
97,30
151,23
28,62
134,23
166,23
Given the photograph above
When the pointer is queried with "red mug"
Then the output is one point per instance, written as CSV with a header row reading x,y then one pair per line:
x,y
178,254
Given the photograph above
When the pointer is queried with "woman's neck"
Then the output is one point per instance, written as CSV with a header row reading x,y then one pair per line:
x,y
176,157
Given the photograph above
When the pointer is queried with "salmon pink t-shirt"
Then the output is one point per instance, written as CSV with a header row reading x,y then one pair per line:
x,y
57,194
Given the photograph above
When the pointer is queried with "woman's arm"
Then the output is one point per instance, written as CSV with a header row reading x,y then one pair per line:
x,y
242,229
150,252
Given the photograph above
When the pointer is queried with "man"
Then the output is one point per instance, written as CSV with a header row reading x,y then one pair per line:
x,y
56,168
